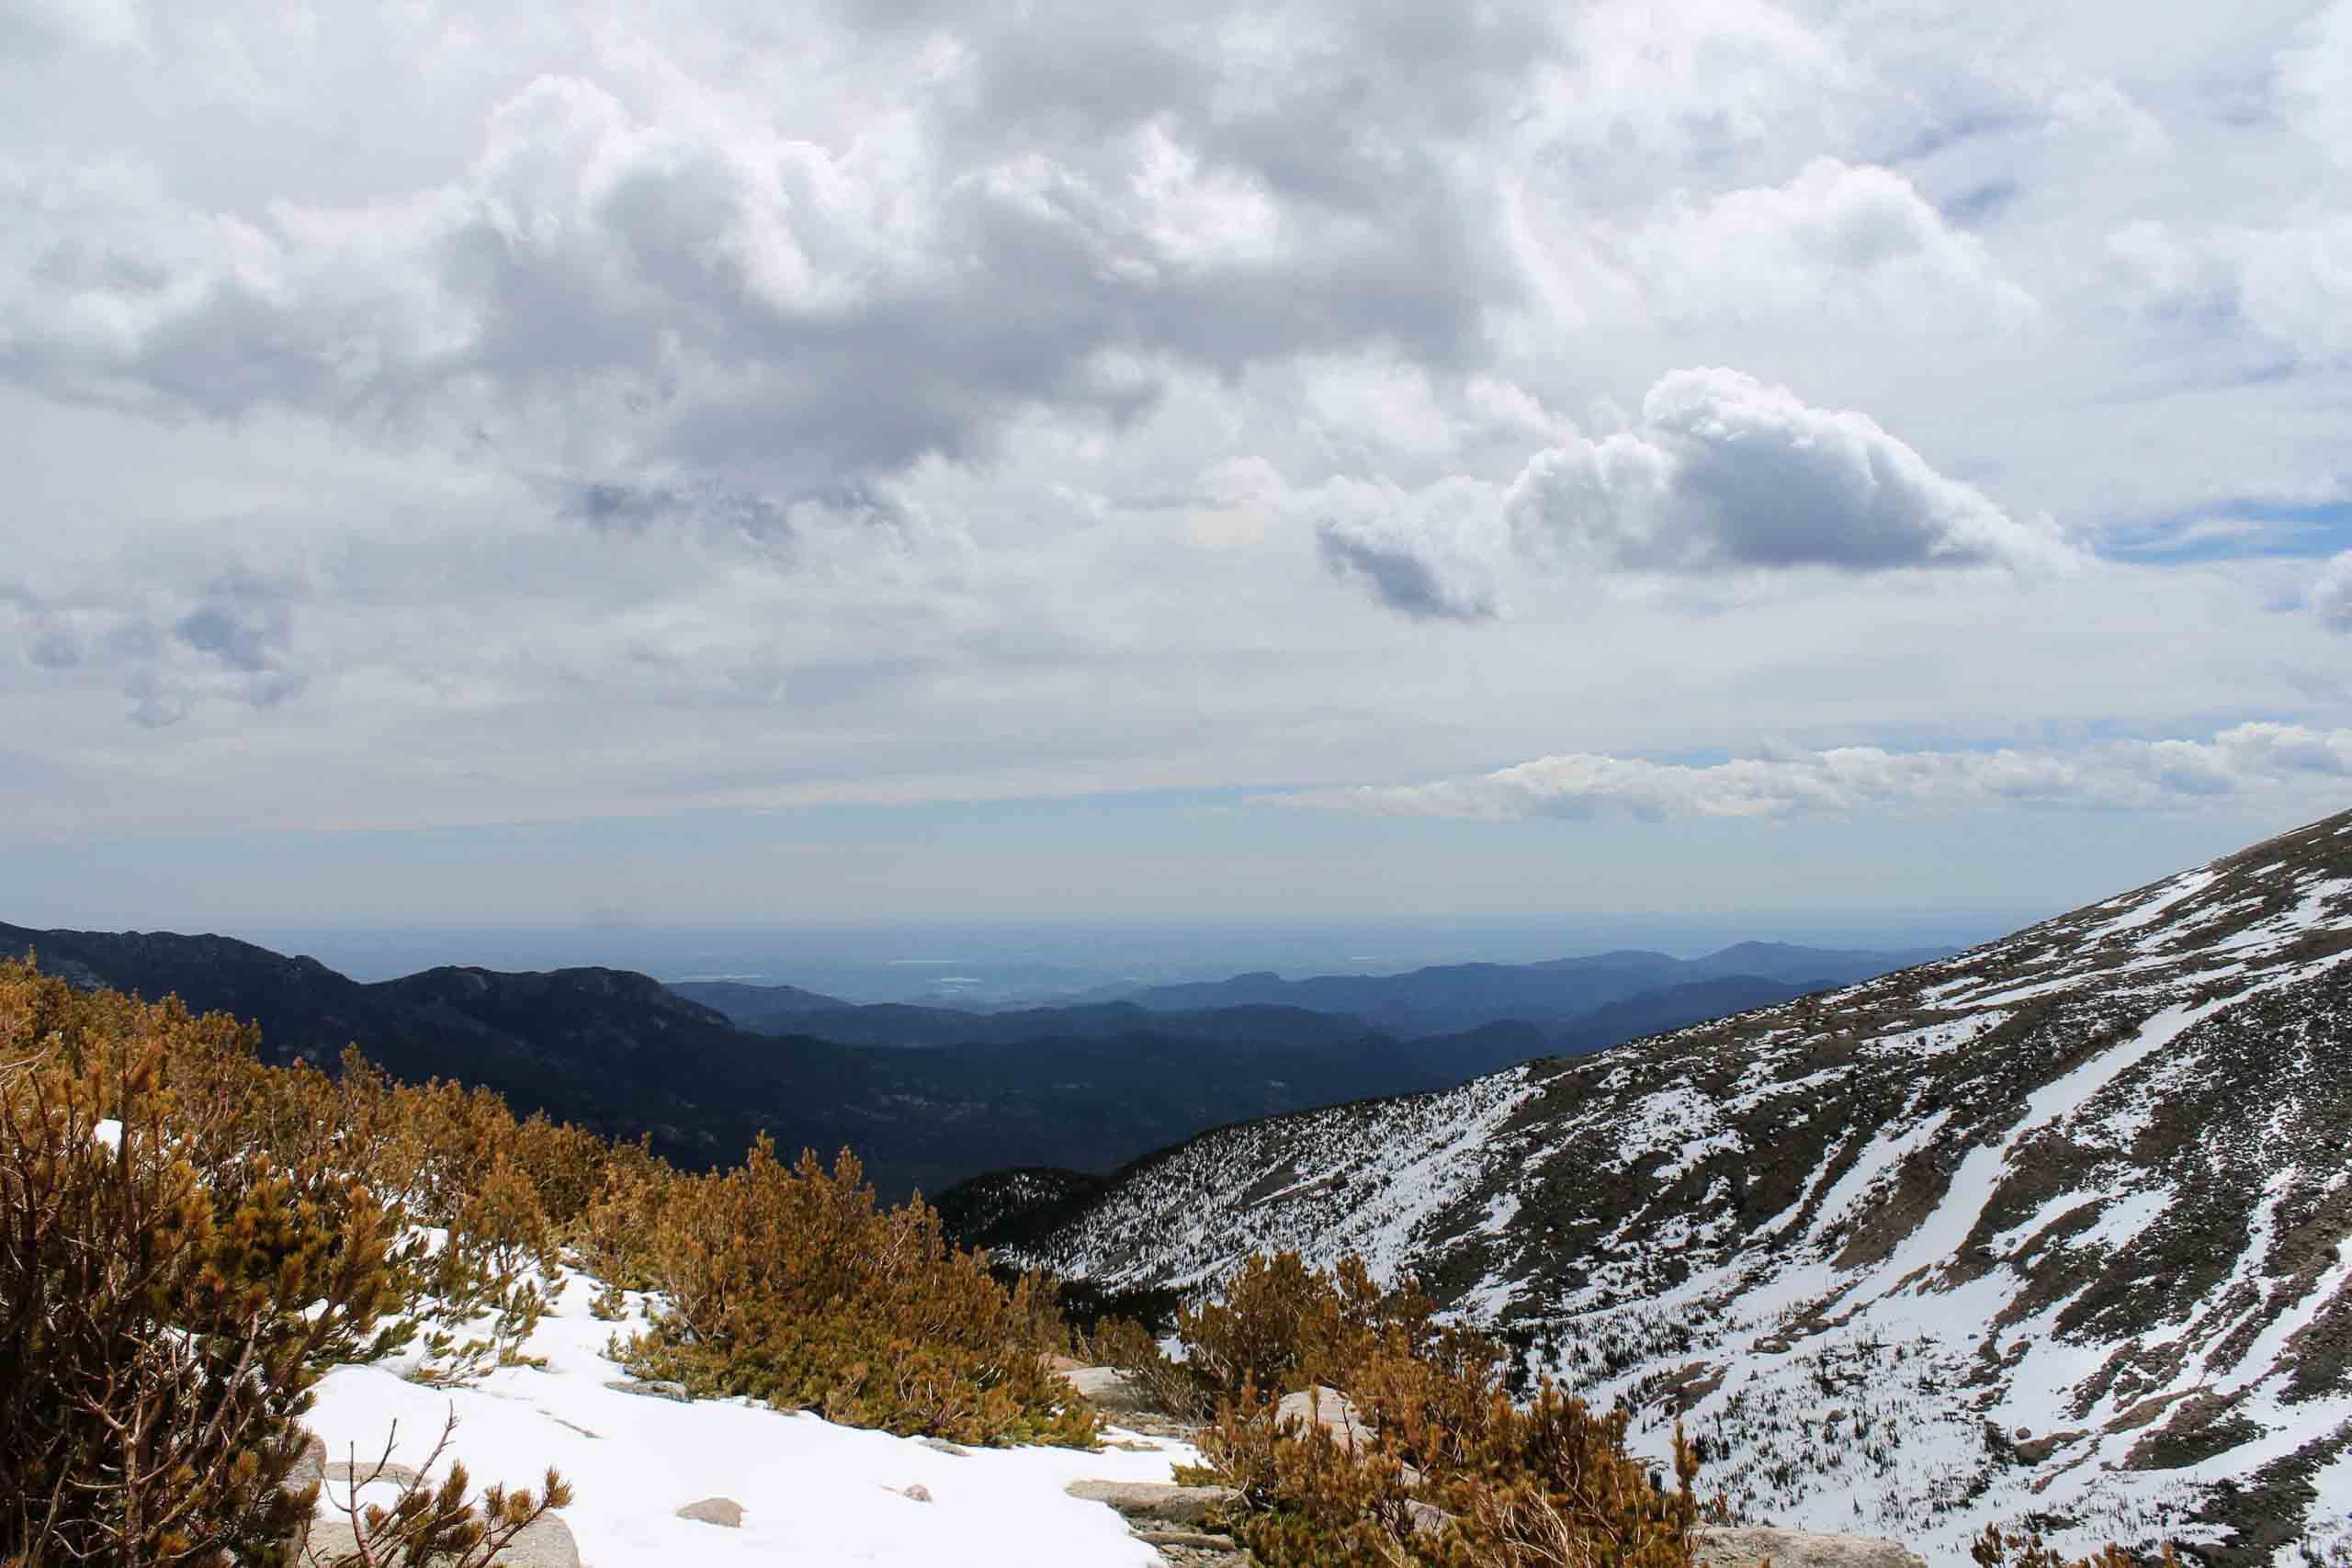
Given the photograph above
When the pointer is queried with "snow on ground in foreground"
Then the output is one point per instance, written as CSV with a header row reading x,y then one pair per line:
x,y
812,1493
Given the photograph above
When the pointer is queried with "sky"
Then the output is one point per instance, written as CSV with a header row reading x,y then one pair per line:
x,y
692,460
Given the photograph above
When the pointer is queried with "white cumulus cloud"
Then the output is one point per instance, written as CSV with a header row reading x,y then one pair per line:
x,y
1725,472
2136,775
1720,473
1857,243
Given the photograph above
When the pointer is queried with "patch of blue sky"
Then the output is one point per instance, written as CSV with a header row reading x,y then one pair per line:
x,y
2236,529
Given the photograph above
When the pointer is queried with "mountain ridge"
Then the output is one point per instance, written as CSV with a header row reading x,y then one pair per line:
x,y
618,1052
2058,1228
1442,998
1571,999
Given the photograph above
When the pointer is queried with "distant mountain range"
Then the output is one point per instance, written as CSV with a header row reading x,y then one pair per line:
x,y
1086,1088
1568,1000
2058,1228
1554,996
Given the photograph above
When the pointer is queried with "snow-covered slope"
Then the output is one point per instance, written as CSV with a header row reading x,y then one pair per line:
x,y
812,1493
2061,1227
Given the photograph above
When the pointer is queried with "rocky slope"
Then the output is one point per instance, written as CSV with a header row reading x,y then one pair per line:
x,y
2059,1228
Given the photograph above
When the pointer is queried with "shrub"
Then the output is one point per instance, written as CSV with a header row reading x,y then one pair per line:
x,y
159,1334
2024,1548
1448,1472
791,1285
433,1527
1282,1326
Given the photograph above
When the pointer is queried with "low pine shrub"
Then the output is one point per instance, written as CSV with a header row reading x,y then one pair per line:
x,y
161,1324
1282,1326
2024,1548
1445,1470
791,1285
430,1526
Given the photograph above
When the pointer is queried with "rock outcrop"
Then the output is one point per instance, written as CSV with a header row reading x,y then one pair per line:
x,y
547,1544
1147,1505
1746,1546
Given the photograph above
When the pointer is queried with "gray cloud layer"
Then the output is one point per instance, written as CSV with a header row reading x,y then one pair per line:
x,y
543,409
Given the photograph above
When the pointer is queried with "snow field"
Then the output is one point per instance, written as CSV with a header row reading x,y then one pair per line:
x,y
812,1493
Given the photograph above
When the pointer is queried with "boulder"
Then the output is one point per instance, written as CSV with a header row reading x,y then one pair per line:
x,y
1107,1388
366,1471
1336,1414
675,1391
1743,1546
547,1544
310,1467
715,1511
941,1446
1329,1409
1157,1504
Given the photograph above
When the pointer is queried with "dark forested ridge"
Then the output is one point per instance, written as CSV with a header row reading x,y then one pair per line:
x,y
1085,1087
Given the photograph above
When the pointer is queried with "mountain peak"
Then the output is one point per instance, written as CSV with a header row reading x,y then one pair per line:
x,y
2057,1225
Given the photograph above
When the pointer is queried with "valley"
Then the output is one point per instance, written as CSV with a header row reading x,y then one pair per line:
x,y
926,1096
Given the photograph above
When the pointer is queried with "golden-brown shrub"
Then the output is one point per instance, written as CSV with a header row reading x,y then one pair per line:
x,y
1447,1470
791,1285
158,1331
430,1526
2024,1548
1282,1326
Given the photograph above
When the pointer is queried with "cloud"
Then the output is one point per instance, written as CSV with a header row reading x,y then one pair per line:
x,y
1427,556
646,266
1725,473
2314,77
697,403
1838,241
2129,774
1721,473
2286,278
2288,284
2331,596
232,640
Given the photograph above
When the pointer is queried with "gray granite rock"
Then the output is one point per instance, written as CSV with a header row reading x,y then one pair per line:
x,y
367,1470
1155,1503
1330,1409
715,1511
547,1544
1109,1389
310,1467
1743,1546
